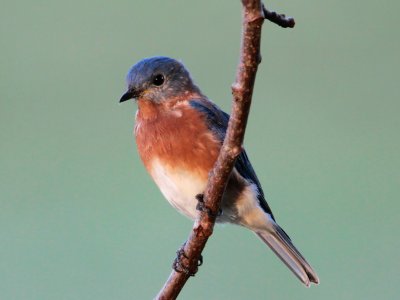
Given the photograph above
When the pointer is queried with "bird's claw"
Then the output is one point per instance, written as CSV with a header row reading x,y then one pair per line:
x,y
179,267
202,207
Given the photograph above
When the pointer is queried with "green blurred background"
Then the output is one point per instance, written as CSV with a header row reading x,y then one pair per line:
x,y
81,219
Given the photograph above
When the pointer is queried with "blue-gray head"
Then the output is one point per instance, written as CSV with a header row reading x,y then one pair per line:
x,y
158,79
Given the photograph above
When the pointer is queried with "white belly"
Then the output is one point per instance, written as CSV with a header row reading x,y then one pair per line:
x,y
179,187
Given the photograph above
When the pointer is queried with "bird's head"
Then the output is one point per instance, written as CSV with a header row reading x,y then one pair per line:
x,y
158,79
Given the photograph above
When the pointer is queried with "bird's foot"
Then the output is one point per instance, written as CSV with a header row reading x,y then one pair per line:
x,y
180,267
201,206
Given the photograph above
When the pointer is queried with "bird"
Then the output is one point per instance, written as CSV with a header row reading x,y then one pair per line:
x,y
179,133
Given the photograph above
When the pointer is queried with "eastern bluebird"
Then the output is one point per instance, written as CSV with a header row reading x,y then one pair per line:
x,y
179,133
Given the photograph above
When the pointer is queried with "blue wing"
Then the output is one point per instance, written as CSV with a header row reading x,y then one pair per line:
x,y
217,122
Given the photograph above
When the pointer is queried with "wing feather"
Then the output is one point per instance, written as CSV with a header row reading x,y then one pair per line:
x,y
217,121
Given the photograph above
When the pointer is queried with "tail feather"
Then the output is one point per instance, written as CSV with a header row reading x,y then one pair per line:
x,y
283,247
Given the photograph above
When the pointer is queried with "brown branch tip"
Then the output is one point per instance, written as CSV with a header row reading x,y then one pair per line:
x,y
278,19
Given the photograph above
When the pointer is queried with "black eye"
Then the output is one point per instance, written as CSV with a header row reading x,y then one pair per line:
x,y
158,79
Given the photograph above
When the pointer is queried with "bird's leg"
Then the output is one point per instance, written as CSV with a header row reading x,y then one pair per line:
x,y
178,265
202,207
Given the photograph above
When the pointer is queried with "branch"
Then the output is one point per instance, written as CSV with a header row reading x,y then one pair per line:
x,y
253,14
279,19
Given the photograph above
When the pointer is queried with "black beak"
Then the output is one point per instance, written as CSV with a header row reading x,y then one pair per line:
x,y
128,95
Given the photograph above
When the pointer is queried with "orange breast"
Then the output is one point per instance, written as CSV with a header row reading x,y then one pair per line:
x,y
177,136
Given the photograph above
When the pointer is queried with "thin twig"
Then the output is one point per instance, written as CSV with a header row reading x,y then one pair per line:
x,y
279,19
242,90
